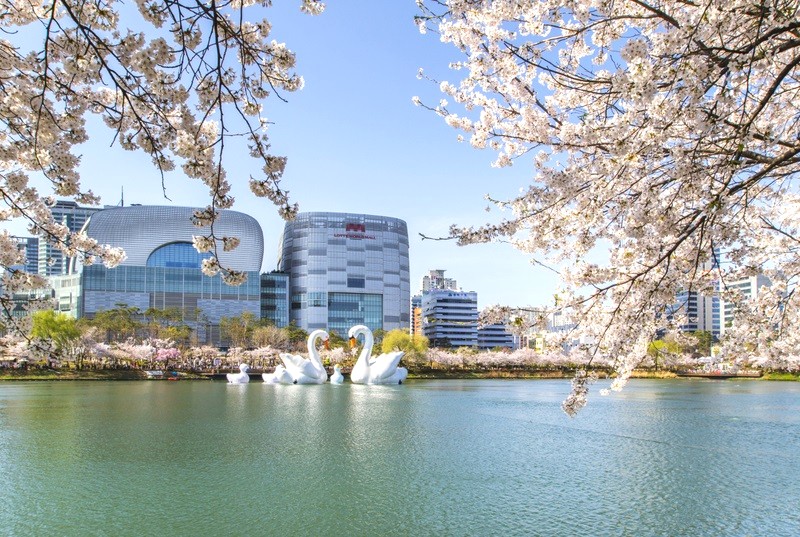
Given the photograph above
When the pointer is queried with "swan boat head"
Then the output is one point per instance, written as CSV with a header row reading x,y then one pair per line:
x,y
312,341
360,371
361,330
313,352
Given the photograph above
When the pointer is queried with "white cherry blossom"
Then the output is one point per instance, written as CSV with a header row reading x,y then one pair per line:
x,y
176,79
661,132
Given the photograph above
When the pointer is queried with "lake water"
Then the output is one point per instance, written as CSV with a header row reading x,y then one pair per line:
x,y
451,457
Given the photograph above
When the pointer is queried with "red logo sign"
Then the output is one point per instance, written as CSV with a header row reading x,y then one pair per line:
x,y
354,231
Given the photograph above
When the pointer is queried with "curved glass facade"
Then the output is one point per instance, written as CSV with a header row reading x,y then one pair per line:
x,y
177,255
347,269
162,269
143,229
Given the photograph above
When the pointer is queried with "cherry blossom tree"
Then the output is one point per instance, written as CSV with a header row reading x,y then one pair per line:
x,y
177,79
203,356
167,355
664,133
140,354
337,355
13,347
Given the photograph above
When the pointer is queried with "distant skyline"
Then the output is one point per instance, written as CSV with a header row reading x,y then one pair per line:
x,y
356,143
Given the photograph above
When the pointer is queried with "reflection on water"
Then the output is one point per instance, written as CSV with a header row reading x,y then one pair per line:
x,y
428,457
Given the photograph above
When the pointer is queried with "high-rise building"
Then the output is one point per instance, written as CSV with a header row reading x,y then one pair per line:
x,y
749,288
275,298
51,261
347,269
699,310
435,279
30,246
702,311
416,315
450,318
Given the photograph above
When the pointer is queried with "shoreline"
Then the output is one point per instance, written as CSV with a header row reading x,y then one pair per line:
x,y
428,374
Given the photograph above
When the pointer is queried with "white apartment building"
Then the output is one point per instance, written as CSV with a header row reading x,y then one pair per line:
x,y
450,318
748,287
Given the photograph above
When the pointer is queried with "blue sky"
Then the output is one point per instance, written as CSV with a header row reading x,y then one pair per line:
x,y
356,143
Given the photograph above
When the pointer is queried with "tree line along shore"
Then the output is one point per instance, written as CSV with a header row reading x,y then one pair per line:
x,y
125,344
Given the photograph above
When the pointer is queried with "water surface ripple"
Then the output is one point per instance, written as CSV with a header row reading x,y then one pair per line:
x,y
474,457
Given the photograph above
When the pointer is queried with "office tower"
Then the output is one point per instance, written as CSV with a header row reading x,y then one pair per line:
x,y
450,318
30,247
347,269
492,336
51,261
275,298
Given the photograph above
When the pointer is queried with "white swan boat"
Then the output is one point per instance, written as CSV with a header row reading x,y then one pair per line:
x,y
307,370
279,376
336,376
241,377
382,369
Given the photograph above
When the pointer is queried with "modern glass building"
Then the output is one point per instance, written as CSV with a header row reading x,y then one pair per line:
x,y
162,269
275,298
30,245
702,312
347,269
51,260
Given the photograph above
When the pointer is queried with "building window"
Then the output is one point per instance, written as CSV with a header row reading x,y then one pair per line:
x,y
317,299
349,309
177,255
356,283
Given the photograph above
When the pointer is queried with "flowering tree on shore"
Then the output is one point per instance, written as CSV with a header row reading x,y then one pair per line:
x,y
177,79
13,347
142,354
666,133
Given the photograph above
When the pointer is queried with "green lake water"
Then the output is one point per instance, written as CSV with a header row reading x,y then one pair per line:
x,y
450,457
